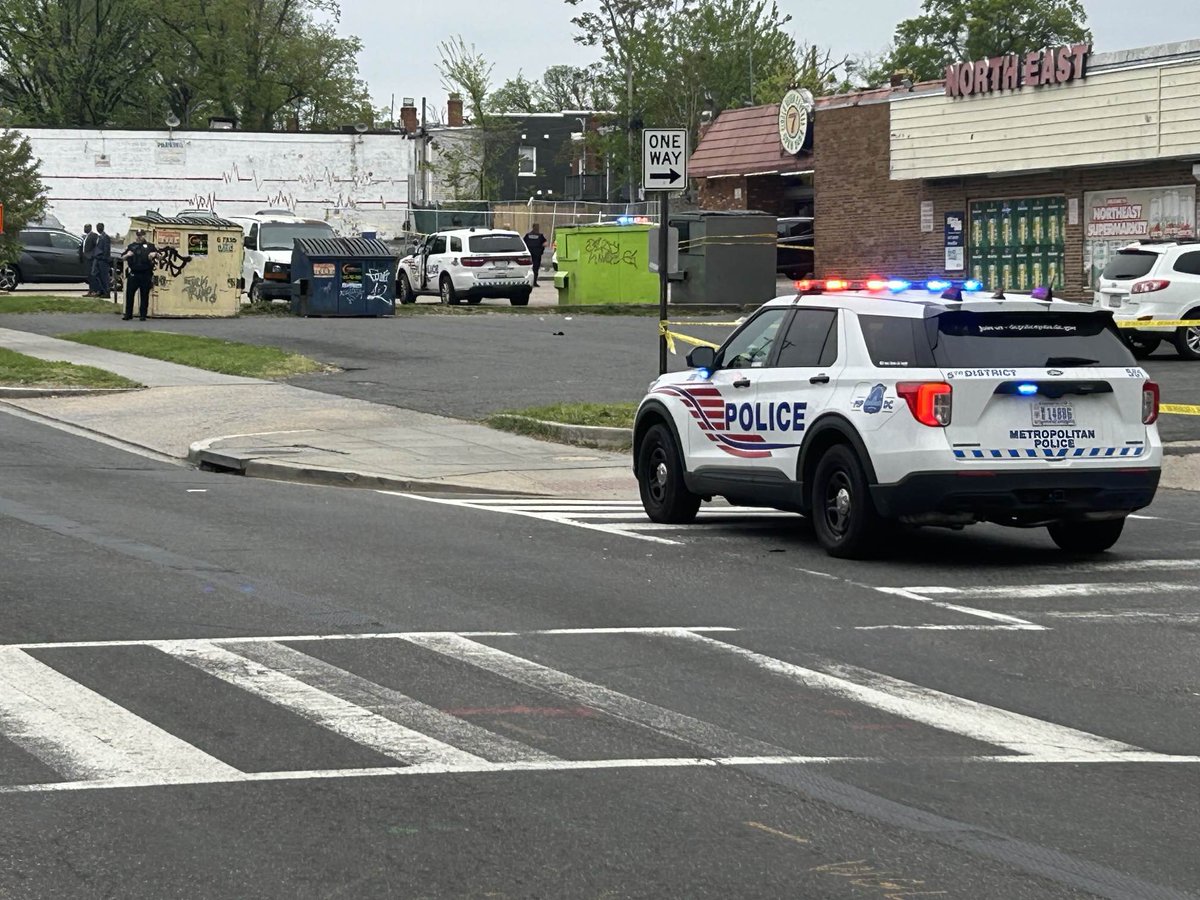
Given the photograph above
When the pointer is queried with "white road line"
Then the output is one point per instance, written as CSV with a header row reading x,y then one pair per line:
x,y
1176,618
546,517
391,704
86,736
367,636
946,712
712,739
1032,591
1010,622
943,628
1132,565
705,525
350,721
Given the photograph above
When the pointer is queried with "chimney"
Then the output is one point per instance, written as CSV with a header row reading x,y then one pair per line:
x,y
454,116
408,115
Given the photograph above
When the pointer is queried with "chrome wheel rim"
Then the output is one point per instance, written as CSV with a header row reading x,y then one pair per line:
x,y
839,504
8,279
658,474
1191,337
446,292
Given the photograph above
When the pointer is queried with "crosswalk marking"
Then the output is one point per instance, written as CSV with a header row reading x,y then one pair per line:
x,y
340,716
84,735
1035,591
713,739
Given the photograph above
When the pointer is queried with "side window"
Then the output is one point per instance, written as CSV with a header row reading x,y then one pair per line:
x,y
811,339
1188,263
437,245
64,241
252,237
35,238
455,245
751,347
895,343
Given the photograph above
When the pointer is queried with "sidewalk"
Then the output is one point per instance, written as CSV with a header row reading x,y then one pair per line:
x,y
272,430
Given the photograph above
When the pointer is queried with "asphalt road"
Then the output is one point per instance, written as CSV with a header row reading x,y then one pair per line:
x,y
218,687
469,366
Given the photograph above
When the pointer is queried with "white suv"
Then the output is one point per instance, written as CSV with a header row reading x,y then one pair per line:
x,y
863,407
1154,280
468,264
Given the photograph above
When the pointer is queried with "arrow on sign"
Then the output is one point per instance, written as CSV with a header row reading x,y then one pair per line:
x,y
671,175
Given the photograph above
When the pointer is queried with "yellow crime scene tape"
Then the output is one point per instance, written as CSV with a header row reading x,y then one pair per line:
x,y
1179,409
1160,323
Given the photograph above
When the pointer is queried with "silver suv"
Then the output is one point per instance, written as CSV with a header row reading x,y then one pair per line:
x,y
1154,281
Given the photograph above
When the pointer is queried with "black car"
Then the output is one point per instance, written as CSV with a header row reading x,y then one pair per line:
x,y
47,255
793,247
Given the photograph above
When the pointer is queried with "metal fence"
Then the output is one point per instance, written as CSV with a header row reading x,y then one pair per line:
x,y
521,216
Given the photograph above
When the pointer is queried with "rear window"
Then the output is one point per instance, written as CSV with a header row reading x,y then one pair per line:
x,y
496,243
964,339
1129,264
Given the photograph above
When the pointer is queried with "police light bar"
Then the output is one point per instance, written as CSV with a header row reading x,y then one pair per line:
x,y
886,285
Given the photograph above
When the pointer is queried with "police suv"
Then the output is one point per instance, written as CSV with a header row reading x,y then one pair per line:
x,y
927,404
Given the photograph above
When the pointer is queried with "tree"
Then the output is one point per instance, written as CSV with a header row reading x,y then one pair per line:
x,y
574,87
516,95
21,191
951,31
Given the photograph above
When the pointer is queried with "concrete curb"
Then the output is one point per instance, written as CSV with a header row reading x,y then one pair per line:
x,y
30,393
598,436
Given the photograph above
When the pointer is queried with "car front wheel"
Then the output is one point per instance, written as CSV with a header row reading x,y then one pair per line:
x,y
10,278
1086,537
404,291
844,516
446,291
1187,338
665,497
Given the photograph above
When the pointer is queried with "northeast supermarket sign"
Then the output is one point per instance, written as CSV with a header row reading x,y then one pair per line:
x,y
1039,68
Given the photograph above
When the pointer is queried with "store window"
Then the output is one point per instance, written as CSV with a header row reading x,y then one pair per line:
x,y
1017,244
1115,219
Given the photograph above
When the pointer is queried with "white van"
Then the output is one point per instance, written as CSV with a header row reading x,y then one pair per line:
x,y
267,263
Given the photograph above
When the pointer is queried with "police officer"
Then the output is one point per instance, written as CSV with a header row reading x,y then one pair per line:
x,y
139,274
535,241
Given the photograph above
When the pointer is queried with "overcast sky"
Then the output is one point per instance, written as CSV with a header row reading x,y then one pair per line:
x,y
400,40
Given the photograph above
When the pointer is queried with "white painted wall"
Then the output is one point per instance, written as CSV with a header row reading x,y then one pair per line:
x,y
1142,113
354,182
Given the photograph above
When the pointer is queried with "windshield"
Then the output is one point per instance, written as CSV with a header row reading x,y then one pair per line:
x,y
280,235
1129,264
964,339
496,243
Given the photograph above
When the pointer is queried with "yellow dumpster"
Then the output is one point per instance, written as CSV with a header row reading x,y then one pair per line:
x,y
198,266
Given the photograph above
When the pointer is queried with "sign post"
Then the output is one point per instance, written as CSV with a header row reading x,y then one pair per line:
x,y
664,169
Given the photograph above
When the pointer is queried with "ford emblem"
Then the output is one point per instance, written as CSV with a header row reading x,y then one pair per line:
x,y
1054,371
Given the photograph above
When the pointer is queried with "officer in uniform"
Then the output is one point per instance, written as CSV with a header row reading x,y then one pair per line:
x,y
139,274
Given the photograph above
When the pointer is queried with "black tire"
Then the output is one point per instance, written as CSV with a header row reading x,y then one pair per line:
x,y
844,516
665,497
1142,345
256,291
446,291
404,291
1187,339
474,301
10,277
521,299
1086,537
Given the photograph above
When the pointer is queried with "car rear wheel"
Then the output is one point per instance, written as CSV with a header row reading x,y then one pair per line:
x,y
521,299
10,278
446,291
665,497
1086,537
404,291
1142,345
844,516
256,291
1187,338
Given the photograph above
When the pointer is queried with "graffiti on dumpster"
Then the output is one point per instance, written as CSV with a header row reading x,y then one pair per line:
x,y
199,289
377,284
169,260
607,252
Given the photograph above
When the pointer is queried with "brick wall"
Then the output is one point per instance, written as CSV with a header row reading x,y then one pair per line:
x,y
759,192
718,193
868,224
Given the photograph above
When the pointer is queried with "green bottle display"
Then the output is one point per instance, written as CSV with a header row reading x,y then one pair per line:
x,y
1017,244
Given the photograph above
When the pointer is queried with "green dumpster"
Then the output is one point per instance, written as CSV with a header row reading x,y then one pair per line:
x,y
606,263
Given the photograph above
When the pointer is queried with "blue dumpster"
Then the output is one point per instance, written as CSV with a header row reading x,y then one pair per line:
x,y
343,277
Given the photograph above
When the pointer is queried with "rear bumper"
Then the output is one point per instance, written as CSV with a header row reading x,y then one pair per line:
x,y
1017,497
496,289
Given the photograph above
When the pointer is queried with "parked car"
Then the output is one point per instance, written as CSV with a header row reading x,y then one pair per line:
x,y
47,255
470,264
1154,280
793,247
267,263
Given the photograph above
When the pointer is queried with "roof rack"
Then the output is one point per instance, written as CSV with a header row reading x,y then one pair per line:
x,y
1167,240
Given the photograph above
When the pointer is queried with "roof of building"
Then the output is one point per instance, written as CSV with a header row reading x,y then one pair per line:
x,y
745,142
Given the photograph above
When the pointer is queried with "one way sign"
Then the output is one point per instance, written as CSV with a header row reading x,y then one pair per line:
x,y
664,159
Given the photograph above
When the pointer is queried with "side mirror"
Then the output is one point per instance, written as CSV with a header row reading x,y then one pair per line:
x,y
702,358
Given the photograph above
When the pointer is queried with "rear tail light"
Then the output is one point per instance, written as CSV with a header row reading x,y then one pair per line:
x,y
930,402
474,262
1150,286
1149,403
524,260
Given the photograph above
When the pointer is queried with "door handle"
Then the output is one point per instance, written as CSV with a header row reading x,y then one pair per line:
x,y
742,383
819,379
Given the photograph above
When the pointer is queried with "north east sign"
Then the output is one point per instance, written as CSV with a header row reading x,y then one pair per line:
x,y
1040,68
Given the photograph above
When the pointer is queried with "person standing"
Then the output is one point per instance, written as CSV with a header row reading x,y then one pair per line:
x,y
102,262
536,242
139,260
87,256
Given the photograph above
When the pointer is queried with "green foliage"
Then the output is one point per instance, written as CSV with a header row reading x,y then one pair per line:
x,y
949,31
517,95
228,357
128,63
574,87
21,191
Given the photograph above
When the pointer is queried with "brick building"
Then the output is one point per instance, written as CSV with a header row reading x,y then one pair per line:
x,y
1016,180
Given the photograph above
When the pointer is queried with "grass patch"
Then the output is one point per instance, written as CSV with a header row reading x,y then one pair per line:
x,y
529,422
19,370
227,357
22,303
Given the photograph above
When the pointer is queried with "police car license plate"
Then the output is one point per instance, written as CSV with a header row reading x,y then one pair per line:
x,y
1045,414
1115,301
501,264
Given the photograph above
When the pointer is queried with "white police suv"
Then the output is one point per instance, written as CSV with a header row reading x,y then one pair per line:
x,y
927,404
